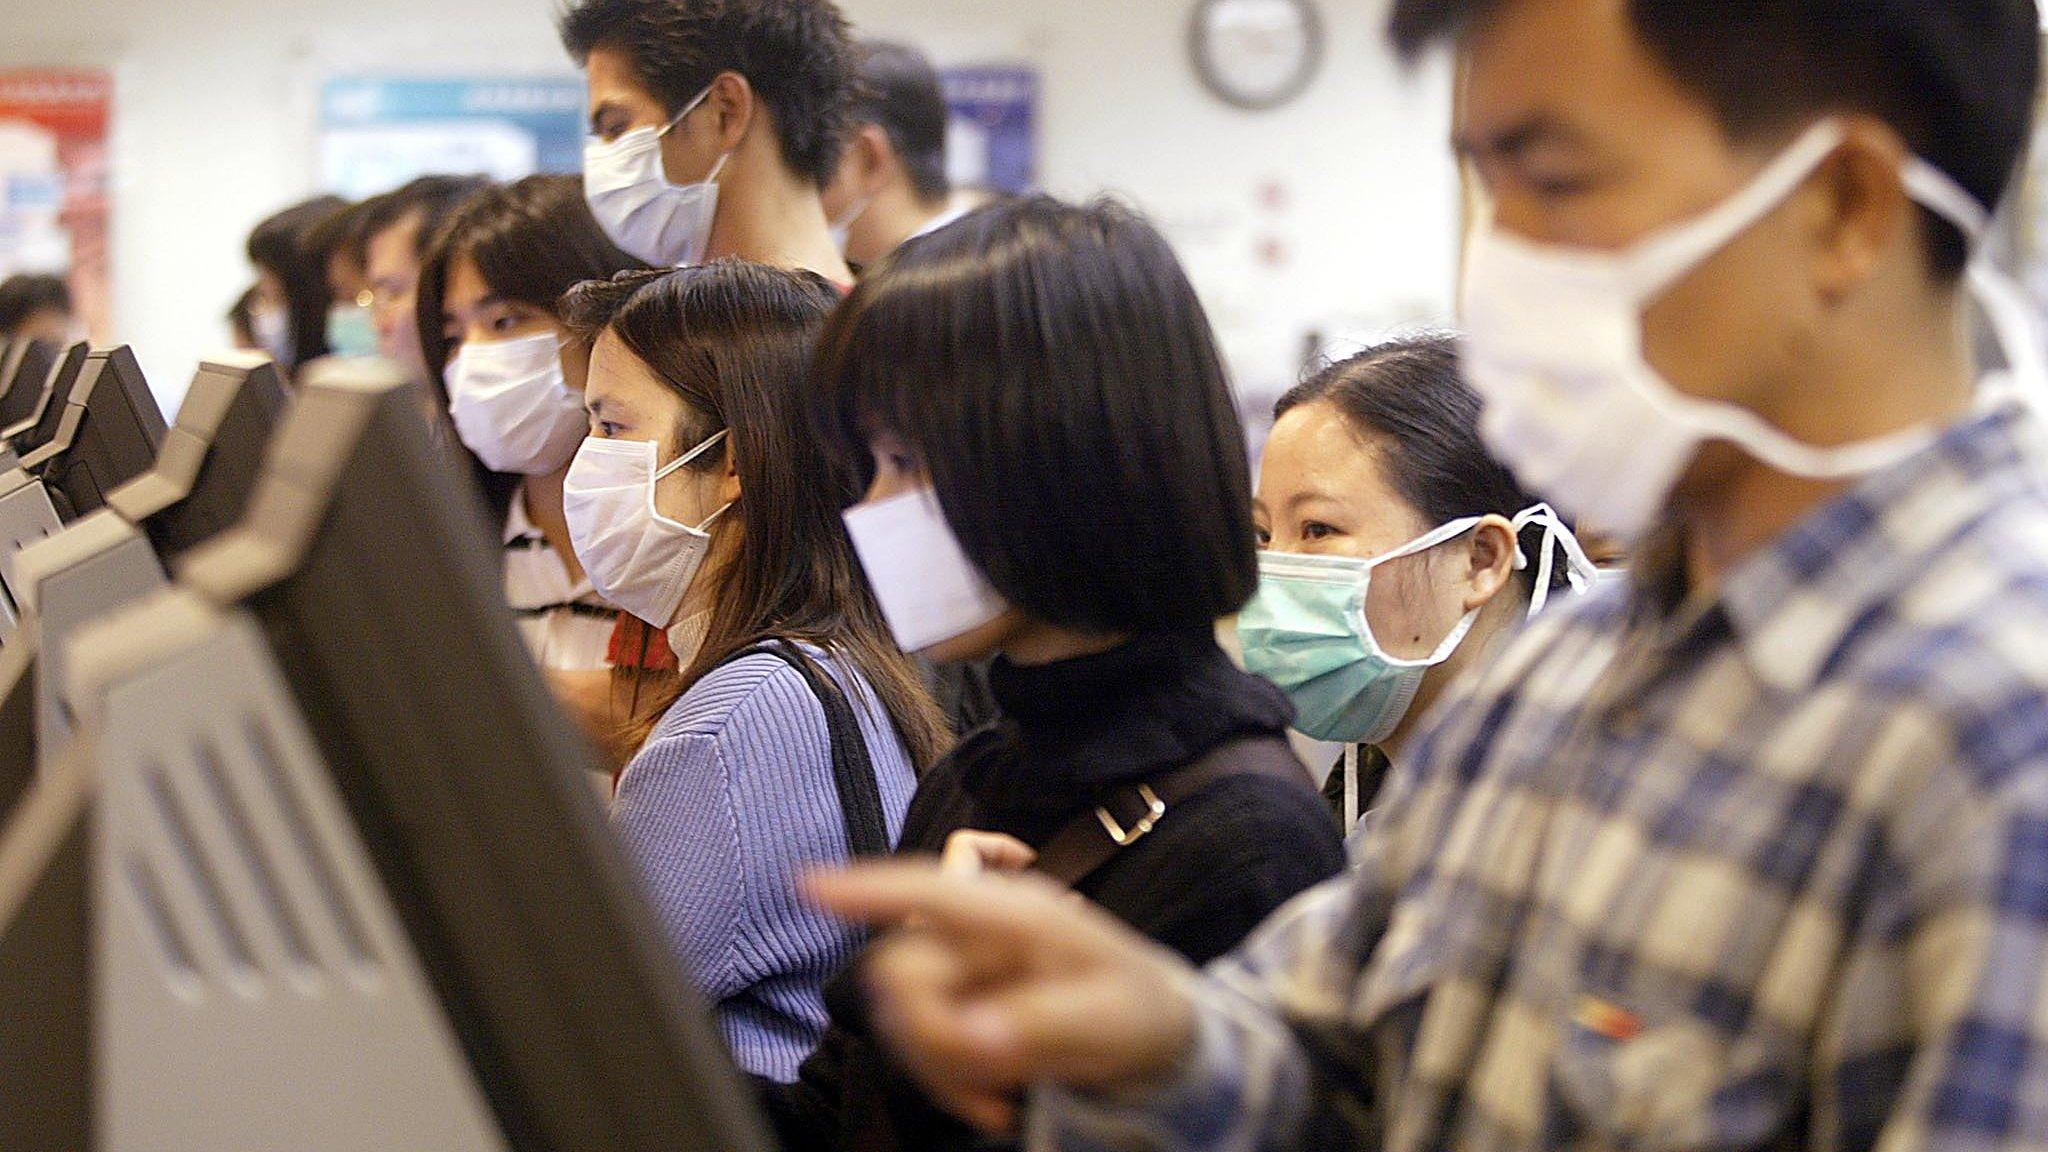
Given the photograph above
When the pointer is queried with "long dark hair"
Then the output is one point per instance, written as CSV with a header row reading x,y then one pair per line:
x,y
734,340
283,246
531,241
1053,367
1408,394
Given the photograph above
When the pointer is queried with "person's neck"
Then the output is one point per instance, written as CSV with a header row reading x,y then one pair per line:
x,y
895,216
1035,645
542,496
769,216
1866,391
1496,620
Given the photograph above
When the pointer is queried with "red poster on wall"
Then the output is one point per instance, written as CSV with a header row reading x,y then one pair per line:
x,y
54,205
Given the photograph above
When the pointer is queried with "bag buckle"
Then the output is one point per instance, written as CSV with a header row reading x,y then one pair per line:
x,y
1125,837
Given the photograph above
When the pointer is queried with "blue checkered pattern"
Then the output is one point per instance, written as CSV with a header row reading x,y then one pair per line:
x,y
1757,870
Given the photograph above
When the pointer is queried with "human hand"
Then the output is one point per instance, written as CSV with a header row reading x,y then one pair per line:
x,y
970,853
1004,982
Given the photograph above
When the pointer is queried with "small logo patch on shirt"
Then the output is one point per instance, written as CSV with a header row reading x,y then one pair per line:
x,y
1608,1021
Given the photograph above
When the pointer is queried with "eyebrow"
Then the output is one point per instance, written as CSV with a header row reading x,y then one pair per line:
x,y
1518,138
1309,497
598,113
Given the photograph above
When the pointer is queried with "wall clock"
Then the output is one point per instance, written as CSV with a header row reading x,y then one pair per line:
x,y
1256,54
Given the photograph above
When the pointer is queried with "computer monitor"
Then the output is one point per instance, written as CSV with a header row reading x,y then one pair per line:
x,y
17,724
24,369
211,457
35,429
109,433
388,670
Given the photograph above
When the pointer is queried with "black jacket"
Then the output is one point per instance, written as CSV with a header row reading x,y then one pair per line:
x,y
1215,867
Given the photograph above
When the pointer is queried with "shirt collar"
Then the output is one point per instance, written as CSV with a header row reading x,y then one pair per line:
x,y
940,221
1795,606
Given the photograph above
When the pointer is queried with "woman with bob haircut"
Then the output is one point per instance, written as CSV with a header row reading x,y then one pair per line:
x,y
1057,476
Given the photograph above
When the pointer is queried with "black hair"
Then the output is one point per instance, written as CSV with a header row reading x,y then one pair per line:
x,y
285,246
433,198
794,53
338,233
1956,78
1057,374
25,294
1409,396
531,241
734,340
898,91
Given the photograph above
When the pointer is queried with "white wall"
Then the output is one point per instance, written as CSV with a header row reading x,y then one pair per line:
x,y
216,101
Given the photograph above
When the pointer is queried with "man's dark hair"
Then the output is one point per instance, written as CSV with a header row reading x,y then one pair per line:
x,y
1956,78
1057,374
25,295
898,91
338,233
795,54
434,198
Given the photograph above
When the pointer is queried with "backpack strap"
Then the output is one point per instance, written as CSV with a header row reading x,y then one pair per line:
x,y
853,771
1129,813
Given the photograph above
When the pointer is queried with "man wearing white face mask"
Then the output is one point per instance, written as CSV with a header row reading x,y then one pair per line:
x,y
713,127
1747,852
891,183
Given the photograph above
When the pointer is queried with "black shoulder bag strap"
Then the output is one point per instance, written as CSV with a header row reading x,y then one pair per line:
x,y
1128,814
853,773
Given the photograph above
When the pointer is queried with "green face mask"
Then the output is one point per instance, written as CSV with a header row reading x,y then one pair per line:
x,y
1306,630
350,331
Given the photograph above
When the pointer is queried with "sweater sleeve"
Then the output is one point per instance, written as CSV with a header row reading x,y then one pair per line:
x,y
675,813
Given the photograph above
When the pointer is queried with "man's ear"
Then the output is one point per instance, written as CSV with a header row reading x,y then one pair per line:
x,y
876,155
733,101
1865,210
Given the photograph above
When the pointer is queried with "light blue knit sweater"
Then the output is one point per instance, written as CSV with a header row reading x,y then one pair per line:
x,y
729,803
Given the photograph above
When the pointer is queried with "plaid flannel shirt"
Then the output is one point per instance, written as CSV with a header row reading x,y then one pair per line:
x,y
1767,869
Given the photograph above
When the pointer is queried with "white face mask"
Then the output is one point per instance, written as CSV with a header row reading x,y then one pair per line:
x,y
635,557
667,225
842,228
929,590
512,407
273,332
1572,405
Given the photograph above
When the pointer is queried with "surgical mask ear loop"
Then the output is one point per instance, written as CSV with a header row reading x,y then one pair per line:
x,y
1580,571
692,106
710,177
2006,309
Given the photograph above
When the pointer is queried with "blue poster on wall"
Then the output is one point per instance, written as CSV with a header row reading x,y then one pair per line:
x,y
992,140
378,132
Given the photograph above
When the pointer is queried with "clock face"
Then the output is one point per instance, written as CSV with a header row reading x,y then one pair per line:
x,y
1257,53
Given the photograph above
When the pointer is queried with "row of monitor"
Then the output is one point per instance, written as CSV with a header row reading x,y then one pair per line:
x,y
322,867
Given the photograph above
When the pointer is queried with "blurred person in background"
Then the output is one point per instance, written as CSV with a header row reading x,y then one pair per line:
x,y
337,241
288,317
891,181
38,307
241,321
394,234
